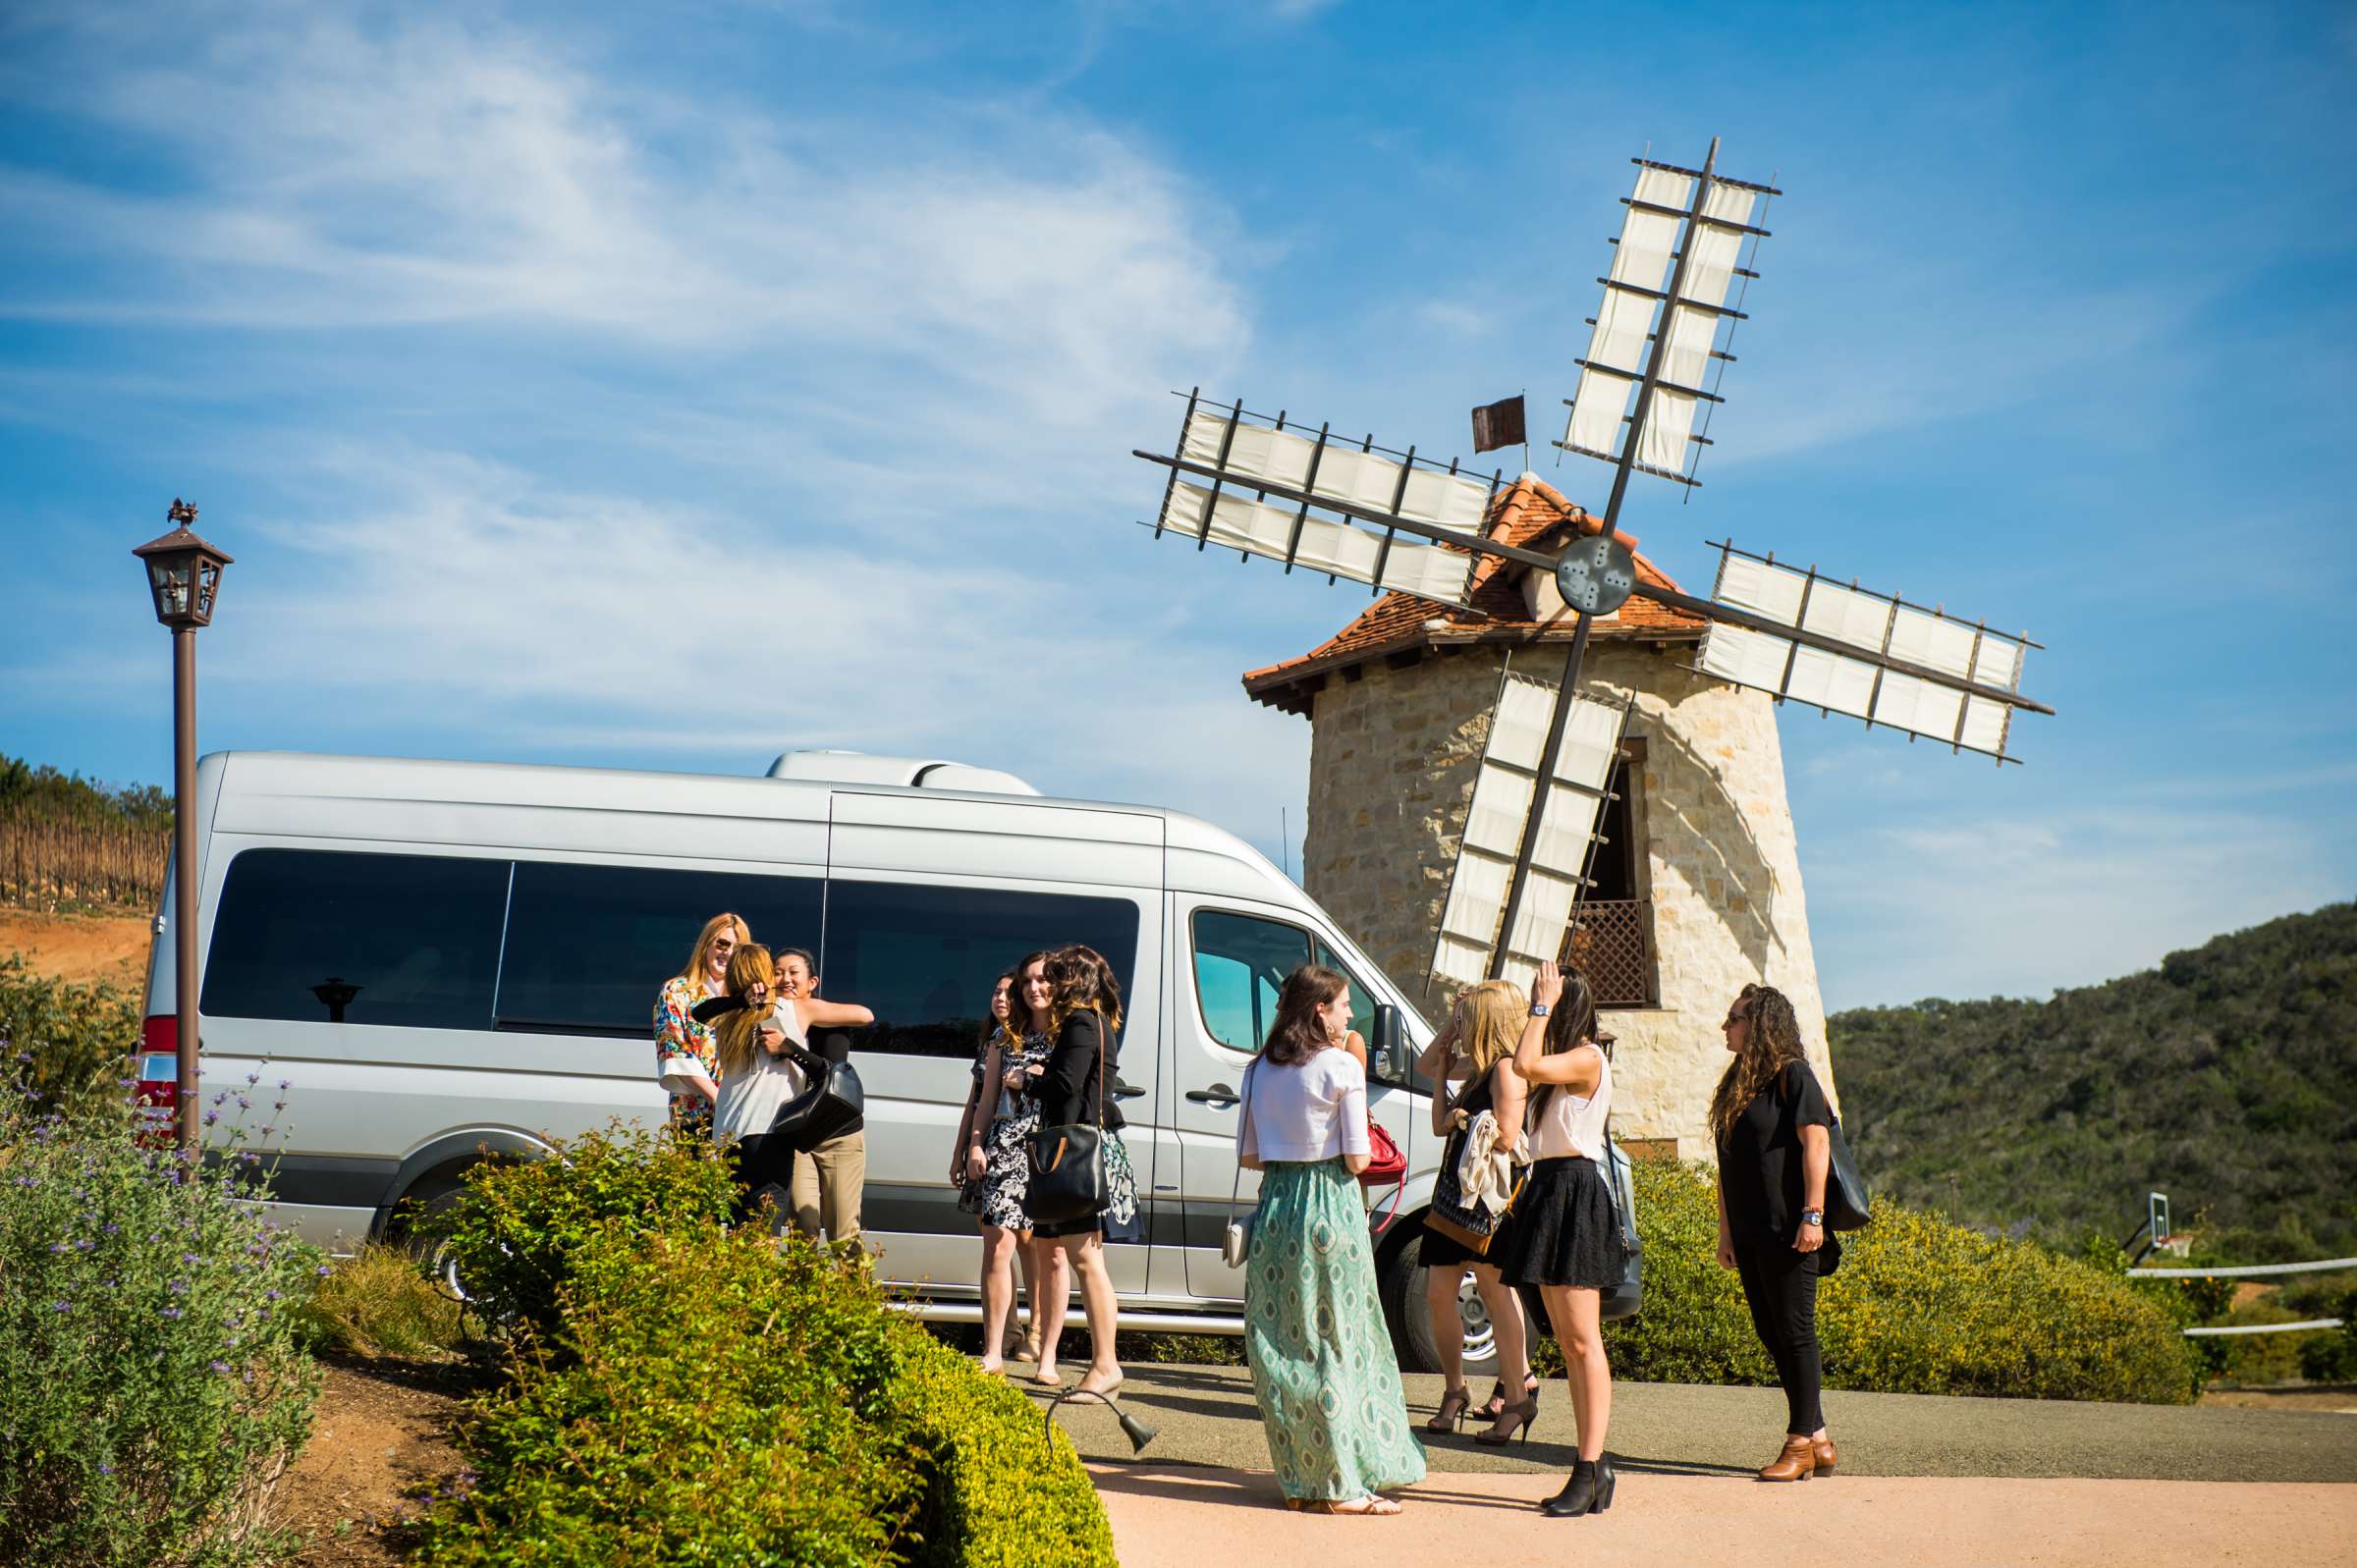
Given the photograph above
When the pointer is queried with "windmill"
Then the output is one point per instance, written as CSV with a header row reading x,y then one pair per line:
x,y
1347,507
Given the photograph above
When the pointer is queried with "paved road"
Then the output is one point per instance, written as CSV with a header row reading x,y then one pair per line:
x,y
1207,1417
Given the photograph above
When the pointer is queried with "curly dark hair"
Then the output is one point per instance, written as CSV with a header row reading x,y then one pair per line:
x,y
1771,1044
1082,979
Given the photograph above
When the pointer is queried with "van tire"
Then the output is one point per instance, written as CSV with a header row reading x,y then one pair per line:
x,y
407,1231
1400,1286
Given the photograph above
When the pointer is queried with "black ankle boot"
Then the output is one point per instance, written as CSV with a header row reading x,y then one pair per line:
x,y
1607,1478
1578,1495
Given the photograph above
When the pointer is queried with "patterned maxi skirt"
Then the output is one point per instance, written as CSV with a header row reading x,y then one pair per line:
x,y
1322,1362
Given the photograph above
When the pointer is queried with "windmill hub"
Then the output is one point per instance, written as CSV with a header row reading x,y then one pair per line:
x,y
1596,575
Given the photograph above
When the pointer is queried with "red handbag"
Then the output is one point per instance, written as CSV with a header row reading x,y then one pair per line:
x,y
1385,1162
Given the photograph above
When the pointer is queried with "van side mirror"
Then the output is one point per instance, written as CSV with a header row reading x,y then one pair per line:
x,y
1386,1043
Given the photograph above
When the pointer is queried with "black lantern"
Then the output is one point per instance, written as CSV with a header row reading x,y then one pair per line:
x,y
184,572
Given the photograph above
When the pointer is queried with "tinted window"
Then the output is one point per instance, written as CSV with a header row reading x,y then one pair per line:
x,y
588,947
1240,966
925,958
322,936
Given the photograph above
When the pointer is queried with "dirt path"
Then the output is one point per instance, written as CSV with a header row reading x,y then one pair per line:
x,y
381,1438
83,949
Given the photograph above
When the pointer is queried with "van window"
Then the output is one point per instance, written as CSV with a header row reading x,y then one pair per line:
x,y
324,935
1240,966
588,947
925,958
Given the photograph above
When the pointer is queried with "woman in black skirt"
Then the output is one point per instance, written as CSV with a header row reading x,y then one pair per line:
x,y
1566,1237
1478,1045
1775,1148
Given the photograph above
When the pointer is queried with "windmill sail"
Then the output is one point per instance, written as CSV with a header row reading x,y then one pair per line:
x,y
1346,509
1949,654
1494,829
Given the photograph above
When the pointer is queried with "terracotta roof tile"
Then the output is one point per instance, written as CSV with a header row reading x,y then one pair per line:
x,y
1531,513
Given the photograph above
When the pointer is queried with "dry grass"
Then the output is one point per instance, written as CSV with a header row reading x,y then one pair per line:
x,y
378,1302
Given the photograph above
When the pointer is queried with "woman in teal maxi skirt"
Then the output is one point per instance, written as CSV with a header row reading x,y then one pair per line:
x,y
1321,1355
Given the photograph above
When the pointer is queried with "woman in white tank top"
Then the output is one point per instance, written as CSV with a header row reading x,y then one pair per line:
x,y
1566,1239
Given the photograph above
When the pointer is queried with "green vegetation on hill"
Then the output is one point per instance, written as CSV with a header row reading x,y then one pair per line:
x,y
2226,1078
29,793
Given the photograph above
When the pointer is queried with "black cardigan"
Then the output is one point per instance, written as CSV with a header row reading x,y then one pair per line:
x,y
1068,1088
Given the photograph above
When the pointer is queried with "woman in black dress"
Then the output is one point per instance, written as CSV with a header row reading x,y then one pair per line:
x,y
1478,1044
1074,1086
1770,1119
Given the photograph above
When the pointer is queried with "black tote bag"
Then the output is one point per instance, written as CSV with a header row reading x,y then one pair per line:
x,y
1067,1162
1847,1206
833,1101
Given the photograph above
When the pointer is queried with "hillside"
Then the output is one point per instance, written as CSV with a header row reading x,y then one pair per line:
x,y
2226,1078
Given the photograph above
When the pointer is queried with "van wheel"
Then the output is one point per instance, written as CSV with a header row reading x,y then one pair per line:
x,y
1409,1314
409,1233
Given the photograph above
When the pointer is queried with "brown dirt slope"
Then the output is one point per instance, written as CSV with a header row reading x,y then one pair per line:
x,y
83,949
379,1441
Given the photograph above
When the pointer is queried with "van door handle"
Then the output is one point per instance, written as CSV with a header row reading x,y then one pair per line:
x,y
1219,1093
1126,1090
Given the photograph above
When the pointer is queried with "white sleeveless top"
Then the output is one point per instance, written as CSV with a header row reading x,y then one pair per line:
x,y
749,1101
1569,1124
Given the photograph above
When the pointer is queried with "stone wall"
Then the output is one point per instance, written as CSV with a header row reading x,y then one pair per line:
x,y
1393,756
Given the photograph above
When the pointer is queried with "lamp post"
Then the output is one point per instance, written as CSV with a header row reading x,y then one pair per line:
x,y
184,575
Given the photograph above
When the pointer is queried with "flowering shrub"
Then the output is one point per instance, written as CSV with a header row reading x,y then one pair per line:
x,y
68,1043
151,1389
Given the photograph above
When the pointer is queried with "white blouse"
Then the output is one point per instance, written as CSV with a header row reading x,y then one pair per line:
x,y
1312,1111
1571,1124
750,1100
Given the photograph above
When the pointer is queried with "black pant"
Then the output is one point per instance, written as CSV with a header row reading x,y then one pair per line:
x,y
1780,1285
765,1170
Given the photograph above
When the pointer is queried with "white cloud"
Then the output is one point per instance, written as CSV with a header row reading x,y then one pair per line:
x,y
2021,905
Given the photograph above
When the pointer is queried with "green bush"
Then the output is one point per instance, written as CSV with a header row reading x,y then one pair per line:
x,y
720,1399
151,1389
1917,1306
378,1302
72,1044
975,1433
515,1225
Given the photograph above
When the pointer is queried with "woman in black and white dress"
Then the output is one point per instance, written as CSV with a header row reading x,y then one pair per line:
x,y
1565,1239
993,1160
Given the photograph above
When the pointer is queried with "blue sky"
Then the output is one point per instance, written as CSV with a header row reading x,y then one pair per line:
x,y
669,386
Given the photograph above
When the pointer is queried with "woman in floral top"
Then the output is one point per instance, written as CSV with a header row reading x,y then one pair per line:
x,y
686,1059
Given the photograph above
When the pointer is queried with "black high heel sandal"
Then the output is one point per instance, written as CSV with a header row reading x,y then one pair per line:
x,y
1521,1415
1450,1416
1495,1406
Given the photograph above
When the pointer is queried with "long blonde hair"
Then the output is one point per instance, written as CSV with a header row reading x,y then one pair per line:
x,y
1771,1044
752,980
1495,1012
694,973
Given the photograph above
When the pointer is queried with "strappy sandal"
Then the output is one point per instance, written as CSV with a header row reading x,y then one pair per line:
x,y
1370,1506
1450,1416
1495,1406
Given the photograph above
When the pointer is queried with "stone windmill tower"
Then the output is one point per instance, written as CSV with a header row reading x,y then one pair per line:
x,y
1698,887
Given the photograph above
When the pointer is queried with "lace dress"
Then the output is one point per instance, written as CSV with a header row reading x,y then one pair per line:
x,y
998,1198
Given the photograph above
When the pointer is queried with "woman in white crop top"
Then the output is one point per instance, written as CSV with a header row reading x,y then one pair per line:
x,y
1565,1239
1314,1330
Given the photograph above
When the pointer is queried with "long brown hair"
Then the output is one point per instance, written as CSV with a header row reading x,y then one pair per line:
x,y
694,973
1297,1035
1771,1044
1079,978
737,1037
1018,1011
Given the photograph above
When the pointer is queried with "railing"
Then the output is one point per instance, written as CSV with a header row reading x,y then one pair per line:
x,y
1610,941
67,862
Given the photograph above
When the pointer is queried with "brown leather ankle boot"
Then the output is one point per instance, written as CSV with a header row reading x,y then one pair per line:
x,y
1797,1462
1822,1448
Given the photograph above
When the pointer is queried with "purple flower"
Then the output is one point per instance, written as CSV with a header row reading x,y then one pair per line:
x,y
221,1368
61,1306
170,1314
244,1104
106,1469
270,1295
57,1246
322,1270
85,1244
286,1083
111,1229
211,1117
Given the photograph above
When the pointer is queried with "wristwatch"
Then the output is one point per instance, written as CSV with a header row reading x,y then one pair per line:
x,y
1813,1216
1540,1009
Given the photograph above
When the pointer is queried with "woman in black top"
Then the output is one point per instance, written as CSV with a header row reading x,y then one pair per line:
x,y
1075,1086
1774,1146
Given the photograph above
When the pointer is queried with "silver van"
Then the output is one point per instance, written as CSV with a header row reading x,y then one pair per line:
x,y
448,959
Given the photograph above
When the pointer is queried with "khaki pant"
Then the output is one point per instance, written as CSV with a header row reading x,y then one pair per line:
x,y
826,1185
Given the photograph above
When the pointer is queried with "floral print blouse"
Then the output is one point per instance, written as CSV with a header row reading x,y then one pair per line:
x,y
678,1034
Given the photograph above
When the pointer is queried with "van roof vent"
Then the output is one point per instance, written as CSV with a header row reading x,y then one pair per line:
x,y
919,773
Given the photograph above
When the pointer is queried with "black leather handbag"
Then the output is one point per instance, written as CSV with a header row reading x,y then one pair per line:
x,y
1847,1206
833,1101
1067,1162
